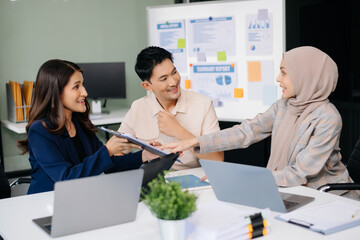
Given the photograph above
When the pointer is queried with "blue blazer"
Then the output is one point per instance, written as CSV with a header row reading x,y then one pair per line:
x,y
54,157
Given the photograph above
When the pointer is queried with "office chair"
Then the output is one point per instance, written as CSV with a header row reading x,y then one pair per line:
x,y
5,190
353,168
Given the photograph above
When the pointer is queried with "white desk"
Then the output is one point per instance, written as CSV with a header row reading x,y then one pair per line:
x,y
16,216
114,117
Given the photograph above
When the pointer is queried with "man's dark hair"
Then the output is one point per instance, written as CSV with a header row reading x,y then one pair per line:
x,y
148,58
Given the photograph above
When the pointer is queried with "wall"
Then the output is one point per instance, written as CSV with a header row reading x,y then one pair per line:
x,y
32,32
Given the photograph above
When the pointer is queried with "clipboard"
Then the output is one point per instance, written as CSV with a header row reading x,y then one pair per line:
x,y
136,141
325,219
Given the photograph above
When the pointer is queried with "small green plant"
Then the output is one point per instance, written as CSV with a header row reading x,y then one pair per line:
x,y
167,200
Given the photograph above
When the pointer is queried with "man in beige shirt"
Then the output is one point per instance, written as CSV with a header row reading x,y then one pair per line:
x,y
169,113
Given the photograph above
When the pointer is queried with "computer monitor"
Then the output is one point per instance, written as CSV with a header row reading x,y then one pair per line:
x,y
103,80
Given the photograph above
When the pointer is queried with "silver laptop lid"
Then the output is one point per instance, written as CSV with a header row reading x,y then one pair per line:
x,y
243,184
95,202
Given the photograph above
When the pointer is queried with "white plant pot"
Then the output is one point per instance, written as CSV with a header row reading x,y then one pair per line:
x,y
172,229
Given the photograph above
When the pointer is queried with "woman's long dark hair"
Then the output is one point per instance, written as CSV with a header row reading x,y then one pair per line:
x,y
46,104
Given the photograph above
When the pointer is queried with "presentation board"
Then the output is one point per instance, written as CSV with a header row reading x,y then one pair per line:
x,y
229,51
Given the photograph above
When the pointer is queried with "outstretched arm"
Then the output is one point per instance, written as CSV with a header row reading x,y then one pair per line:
x,y
171,127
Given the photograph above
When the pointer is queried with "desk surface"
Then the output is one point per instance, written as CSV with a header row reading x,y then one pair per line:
x,y
17,214
114,117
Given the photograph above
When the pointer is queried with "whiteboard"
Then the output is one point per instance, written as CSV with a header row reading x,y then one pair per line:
x,y
228,50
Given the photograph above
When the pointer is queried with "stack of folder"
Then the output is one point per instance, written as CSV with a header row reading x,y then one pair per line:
x,y
22,99
255,225
27,90
217,220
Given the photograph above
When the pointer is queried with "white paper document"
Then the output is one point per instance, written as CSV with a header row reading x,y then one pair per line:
x,y
326,219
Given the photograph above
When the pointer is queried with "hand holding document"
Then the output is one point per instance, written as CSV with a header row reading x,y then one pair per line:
x,y
326,219
136,141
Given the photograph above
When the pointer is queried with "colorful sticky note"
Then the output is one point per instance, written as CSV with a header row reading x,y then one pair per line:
x,y
201,57
238,93
221,56
181,43
187,84
254,71
269,94
263,14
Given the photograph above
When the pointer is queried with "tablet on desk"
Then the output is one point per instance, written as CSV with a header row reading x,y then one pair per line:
x,y
188,181
136,141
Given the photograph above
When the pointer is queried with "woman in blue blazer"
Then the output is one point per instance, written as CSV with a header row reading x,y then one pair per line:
x,y
61,139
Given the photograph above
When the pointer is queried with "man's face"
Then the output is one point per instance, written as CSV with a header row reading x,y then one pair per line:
x,y
164,82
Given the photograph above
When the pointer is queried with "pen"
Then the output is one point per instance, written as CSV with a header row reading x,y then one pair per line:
x,y
355,213
178,160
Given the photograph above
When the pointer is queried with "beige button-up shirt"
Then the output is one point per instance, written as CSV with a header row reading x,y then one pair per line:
x,y
193,111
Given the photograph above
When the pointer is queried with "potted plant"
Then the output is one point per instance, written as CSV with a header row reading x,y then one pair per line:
x,y
171,205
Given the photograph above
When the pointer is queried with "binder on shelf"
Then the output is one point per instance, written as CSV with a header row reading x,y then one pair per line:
x,y
18,100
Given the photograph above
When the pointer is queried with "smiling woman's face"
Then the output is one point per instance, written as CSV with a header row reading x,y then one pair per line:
x,y
74,94
285,83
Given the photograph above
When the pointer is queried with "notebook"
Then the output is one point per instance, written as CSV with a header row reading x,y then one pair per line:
x,y
93,202
250,186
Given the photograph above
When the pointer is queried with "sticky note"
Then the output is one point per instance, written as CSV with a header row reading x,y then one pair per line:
x,y
254,71
187,84
269,94
181,43
201,57
217,103
238,93
221,56
262,14
254,91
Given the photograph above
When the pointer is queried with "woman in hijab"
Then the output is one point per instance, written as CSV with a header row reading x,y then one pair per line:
x,y
304,126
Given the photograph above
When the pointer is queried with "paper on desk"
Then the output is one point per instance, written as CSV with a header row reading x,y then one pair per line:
x,y
327,218
218,220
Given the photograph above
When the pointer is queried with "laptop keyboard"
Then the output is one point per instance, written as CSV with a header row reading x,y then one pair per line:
x,y
48,227
289,204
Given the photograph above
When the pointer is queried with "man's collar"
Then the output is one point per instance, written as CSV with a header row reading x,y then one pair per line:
x,y
155,106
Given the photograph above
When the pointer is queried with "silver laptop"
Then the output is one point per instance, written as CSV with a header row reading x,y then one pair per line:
x,y
250,186
93,202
